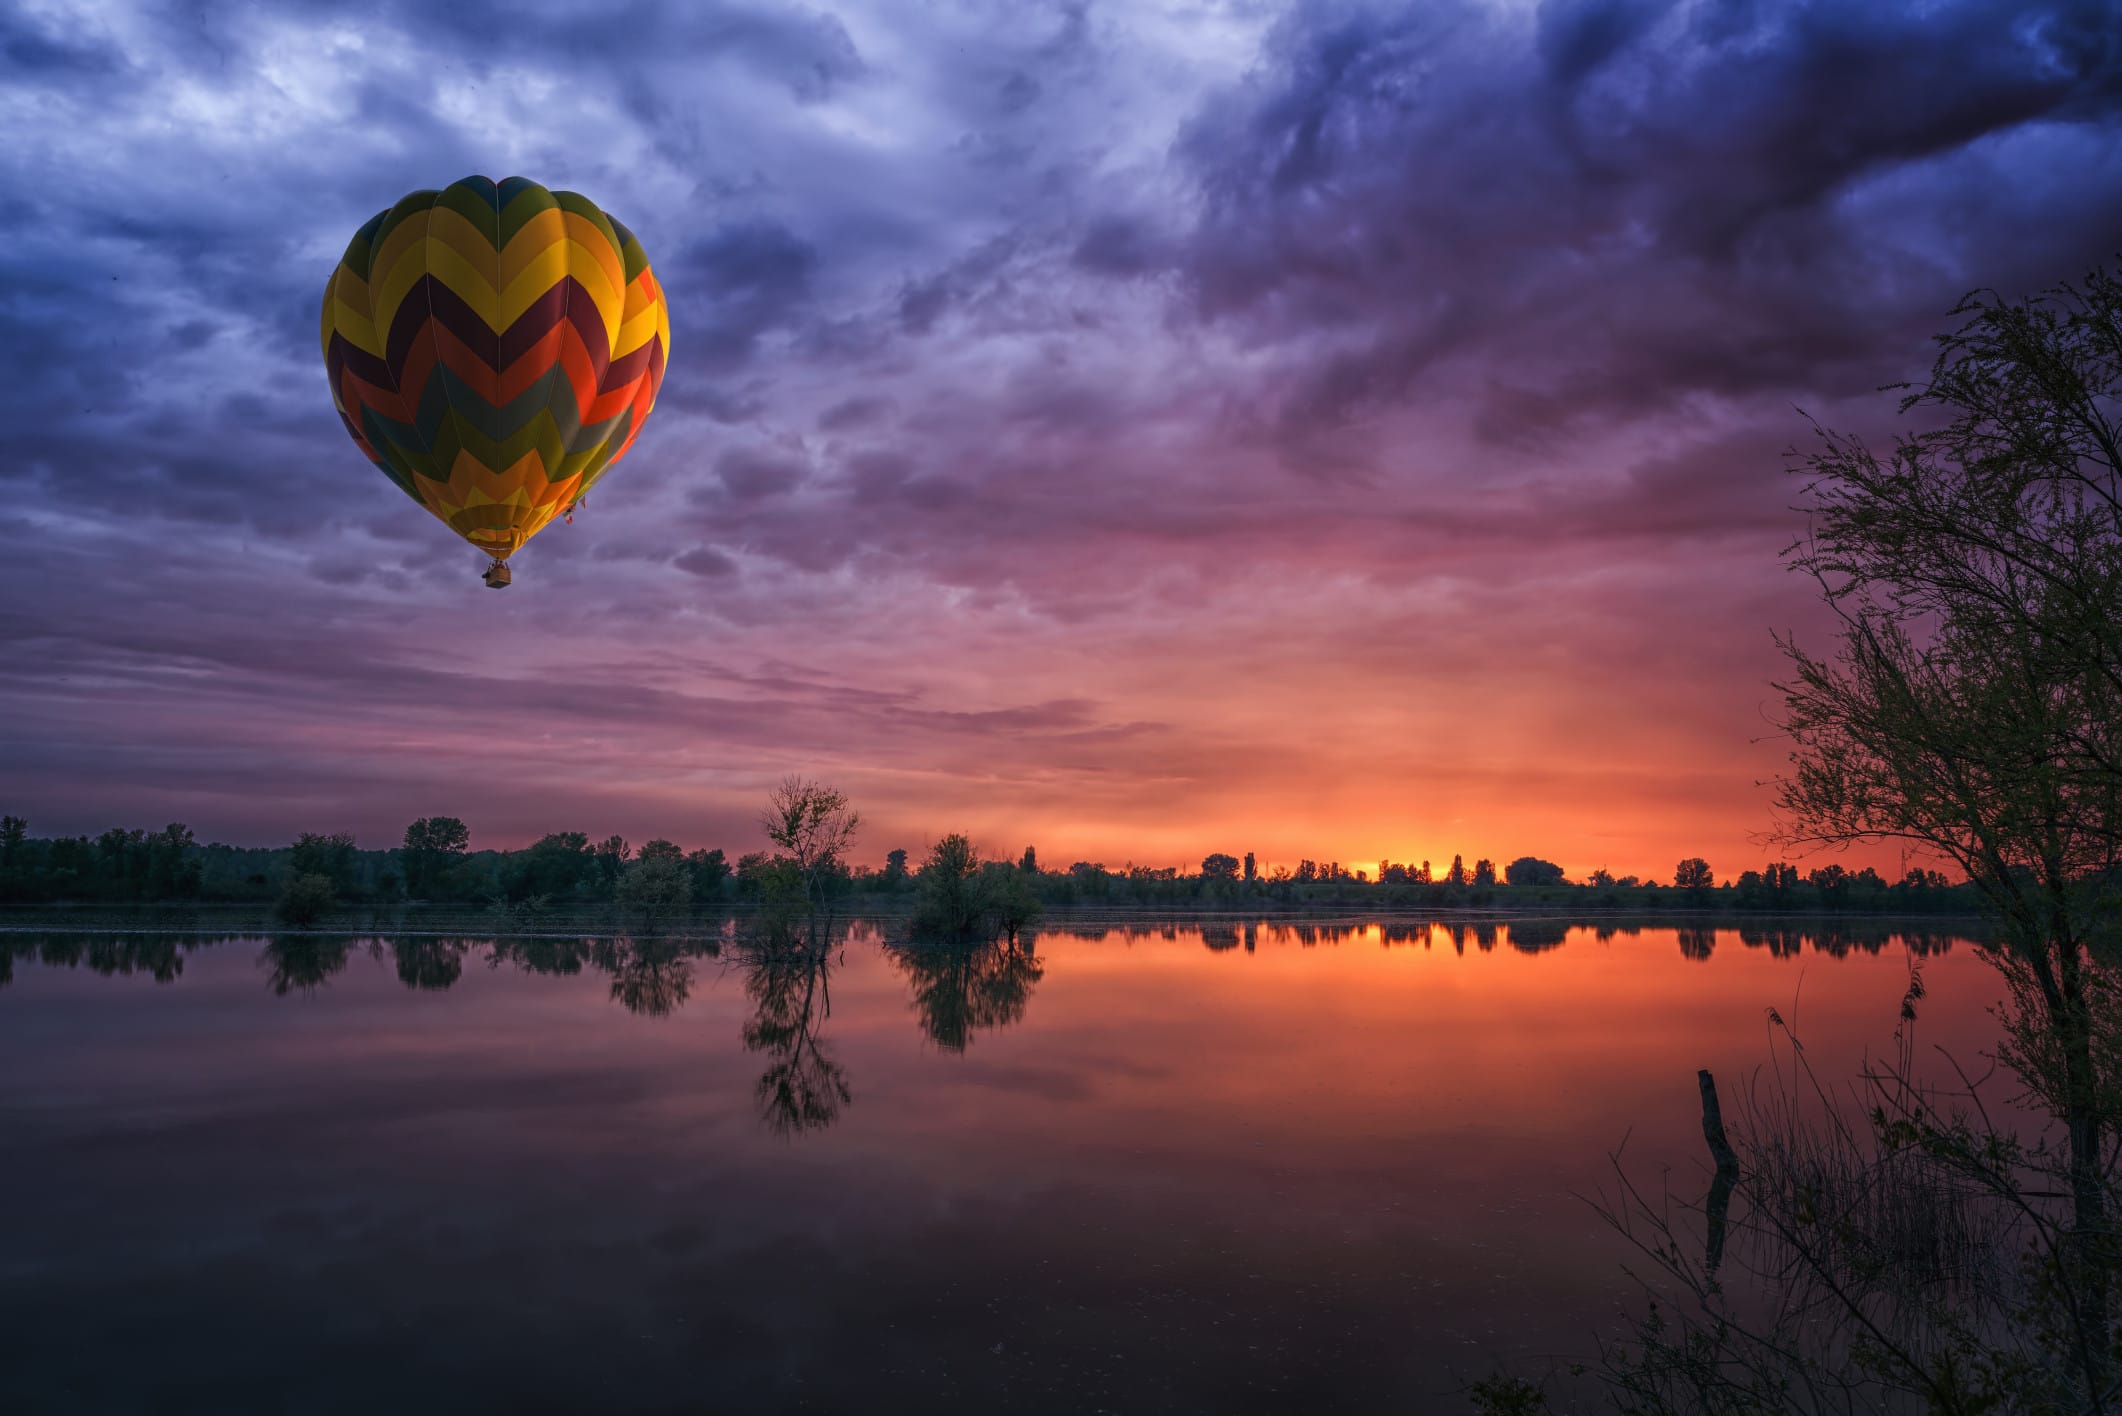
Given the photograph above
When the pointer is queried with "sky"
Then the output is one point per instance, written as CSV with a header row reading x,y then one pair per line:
x,y
1332,431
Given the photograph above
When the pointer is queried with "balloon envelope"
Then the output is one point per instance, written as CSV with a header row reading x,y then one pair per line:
x,y
494,349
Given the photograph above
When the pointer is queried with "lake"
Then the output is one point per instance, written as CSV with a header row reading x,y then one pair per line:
x,y
1206,1165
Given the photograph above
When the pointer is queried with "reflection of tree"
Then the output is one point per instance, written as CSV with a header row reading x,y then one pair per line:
x,y
961,988
161,956
302,962
787,981
541,954
427,963
1531,936
651,977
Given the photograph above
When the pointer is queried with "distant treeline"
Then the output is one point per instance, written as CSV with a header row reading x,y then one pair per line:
x,y
434,863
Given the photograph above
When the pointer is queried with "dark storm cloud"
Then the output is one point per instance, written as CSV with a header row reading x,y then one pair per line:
x,y
737,283
1640,201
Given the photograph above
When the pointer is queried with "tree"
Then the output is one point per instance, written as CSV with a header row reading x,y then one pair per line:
x,y
305,899
1030,864
1484,873
1220,867
894,869
556,866
173,869
709,869
661,850
948,905
1458,872
331,856
1970,705
1307,871
1531,870
1252,869
14,857
433,846
959,899
1693,874
812,824
610,856
658,883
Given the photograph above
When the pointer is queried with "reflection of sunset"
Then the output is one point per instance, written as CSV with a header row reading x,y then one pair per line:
x,y
1251,1127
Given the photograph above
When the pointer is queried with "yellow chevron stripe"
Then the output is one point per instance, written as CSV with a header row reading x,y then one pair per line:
x,y
548,228
541,272
388,291
473,245
596,249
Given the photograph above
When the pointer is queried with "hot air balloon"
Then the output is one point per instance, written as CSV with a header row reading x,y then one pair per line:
x,y
494,349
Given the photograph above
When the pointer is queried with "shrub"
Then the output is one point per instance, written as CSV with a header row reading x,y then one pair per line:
x,y
305,899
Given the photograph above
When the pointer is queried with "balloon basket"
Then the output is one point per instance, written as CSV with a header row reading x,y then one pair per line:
x,y
497,576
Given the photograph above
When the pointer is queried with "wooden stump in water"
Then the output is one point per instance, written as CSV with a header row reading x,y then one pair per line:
x,y
1717,1208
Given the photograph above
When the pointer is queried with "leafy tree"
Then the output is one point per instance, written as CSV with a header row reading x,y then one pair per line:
x,y
1484,873
1531,870
305,899
661,850
610,856
1030,864
329,855
173,868
1693,874
812,824
557,866
948,905
433,847
1969,704
709,869
1458,872
1307,871
14,857
1220,867
657,884
958,899
894,869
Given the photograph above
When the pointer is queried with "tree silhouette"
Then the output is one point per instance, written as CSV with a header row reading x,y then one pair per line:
x,y
433,847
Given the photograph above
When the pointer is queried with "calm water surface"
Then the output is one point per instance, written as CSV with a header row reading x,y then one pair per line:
x,y
1214,1166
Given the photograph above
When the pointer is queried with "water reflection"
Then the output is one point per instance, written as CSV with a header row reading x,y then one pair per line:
x,y
428,964
159,956
302,963
1321,1159
962,988
540,954
956,990
787,979
651,977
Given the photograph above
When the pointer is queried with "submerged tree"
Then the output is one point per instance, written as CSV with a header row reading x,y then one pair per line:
x,y
656,885
959,899
813,826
